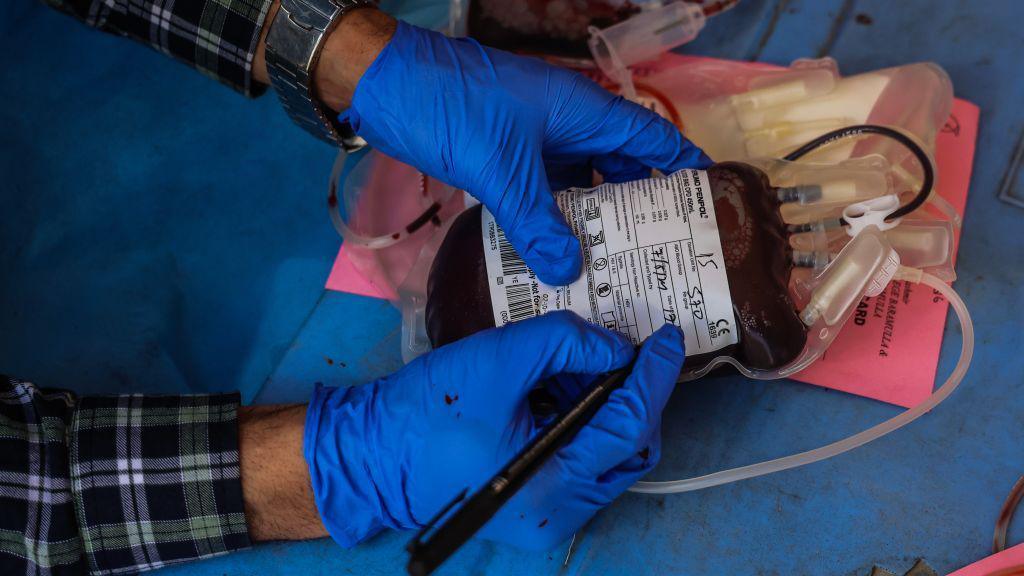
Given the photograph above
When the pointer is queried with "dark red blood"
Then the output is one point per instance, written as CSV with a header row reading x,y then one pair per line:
x,y
449,399
330,362
543,523
512,25
645,453
332,200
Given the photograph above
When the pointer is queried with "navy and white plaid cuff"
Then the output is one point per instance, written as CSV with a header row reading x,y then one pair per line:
x,y
155,480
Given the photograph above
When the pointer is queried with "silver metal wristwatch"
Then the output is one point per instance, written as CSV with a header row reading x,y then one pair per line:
x,y
293,44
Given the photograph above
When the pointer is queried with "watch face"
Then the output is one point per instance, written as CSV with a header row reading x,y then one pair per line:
x,y
554,27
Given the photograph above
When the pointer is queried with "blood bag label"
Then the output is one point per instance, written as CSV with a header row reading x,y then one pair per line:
x,y
652,255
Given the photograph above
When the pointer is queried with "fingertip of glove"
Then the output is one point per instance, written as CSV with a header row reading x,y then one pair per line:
x,y
692,156
560,263
669,342
702,160
623,351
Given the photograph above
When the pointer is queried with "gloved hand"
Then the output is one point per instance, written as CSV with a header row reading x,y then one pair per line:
x,y
392,453
486,121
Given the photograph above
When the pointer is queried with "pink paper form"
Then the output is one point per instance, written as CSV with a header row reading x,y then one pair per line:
x,y
346,278
893,355
1009,558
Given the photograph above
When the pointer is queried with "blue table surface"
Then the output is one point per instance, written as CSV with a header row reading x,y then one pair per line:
x,y
160,233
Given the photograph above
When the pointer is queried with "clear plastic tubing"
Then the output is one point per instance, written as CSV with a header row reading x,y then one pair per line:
x,y
859,439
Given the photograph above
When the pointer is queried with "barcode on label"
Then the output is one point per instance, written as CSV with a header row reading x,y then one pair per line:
x,y
520,302
511,263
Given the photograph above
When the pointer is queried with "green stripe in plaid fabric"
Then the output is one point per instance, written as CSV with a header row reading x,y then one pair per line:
x,y
155,479
114,416
211,528
45,554
52,429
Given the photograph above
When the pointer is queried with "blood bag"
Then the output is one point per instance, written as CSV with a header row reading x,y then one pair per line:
x,y
707,251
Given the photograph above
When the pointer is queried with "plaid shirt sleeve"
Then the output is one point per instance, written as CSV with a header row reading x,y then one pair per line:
x,y
216,37
116,484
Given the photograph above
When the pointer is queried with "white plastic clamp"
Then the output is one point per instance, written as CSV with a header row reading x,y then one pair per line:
x,y
871,212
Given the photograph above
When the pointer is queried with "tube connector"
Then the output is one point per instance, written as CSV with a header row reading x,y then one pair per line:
x,y
806,259
816,226
803,194
908,274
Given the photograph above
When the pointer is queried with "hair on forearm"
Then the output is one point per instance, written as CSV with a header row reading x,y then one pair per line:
x,y
276,489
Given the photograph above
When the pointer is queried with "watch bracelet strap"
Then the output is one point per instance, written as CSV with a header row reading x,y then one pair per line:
x,y
293,49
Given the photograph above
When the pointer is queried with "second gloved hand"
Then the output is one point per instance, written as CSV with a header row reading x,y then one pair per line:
x,y
487,121
392,453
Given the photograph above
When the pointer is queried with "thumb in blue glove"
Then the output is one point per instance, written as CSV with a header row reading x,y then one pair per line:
x,y
392,453
486,121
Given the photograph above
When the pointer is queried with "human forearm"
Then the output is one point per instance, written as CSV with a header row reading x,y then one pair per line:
x,y
348,51
276,489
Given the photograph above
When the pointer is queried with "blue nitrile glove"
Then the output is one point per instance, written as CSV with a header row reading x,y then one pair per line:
x,y
486,121
392,453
